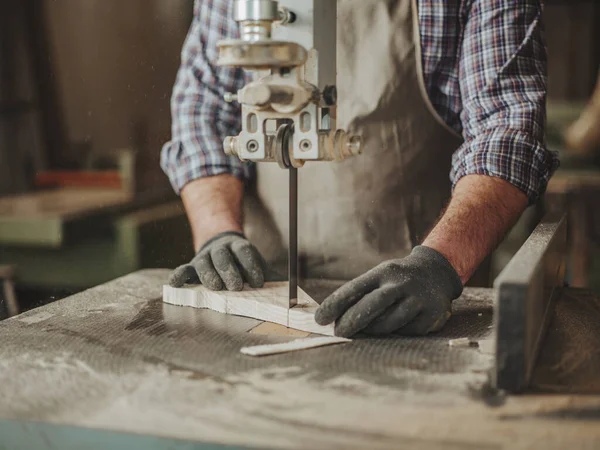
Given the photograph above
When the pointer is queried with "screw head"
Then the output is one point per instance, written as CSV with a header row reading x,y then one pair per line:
x,y
252,146
286,16
305,145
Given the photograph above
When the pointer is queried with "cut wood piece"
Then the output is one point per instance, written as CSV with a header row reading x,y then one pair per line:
x,y
460,342
293,346
269,303
274,329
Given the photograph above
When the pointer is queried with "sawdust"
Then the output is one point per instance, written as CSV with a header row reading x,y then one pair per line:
x,y
272,407
31,319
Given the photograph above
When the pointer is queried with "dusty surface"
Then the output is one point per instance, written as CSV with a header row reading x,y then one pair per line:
x,y
116,358
570,357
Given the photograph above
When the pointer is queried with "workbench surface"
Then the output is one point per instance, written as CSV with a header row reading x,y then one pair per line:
x,y
114,367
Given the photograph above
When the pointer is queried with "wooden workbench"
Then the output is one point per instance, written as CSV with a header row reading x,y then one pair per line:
x,y
114,367
40,218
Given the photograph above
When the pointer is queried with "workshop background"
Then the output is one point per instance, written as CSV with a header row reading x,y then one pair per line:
x,y
84,111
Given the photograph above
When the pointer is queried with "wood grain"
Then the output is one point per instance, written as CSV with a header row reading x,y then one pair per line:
x,y
269,303
274,329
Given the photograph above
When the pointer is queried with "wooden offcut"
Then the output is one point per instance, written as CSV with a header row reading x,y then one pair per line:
x,y
269,303
293,346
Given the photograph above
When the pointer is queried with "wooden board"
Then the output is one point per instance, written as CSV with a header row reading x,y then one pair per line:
x,y
269,303
112,365
108,179
293,346
525,294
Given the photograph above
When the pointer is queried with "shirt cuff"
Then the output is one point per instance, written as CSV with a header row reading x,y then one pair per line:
x,y
512,155
182,165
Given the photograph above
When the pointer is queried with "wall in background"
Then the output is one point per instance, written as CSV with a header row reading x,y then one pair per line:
x,y
573,38
114,67
22,151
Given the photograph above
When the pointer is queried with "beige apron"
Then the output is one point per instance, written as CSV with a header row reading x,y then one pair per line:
x,y
376,206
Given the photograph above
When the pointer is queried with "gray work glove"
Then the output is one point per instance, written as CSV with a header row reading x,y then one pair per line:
x,y
226,261
412,296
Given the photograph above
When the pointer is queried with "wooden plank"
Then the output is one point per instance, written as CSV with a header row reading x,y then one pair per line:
x,y
38,218
269,303
525,294
370,394
293,346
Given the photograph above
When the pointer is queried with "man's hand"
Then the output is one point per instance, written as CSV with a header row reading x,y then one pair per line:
x,y
412,295
227,261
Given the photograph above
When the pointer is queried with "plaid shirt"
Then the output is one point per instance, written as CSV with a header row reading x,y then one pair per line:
x,y
484,64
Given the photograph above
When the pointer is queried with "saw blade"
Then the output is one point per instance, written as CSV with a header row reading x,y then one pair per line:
x,y
293,237
283,141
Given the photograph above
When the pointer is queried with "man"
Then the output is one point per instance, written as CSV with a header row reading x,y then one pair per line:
x,y
414,77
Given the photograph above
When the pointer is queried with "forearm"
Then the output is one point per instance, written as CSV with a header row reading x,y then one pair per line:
x,y
198,168
213,205
482,210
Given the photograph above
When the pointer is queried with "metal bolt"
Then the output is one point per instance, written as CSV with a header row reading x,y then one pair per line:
x,y
227,147
230,145
252,146
230,97
305,145
286,16
255,10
